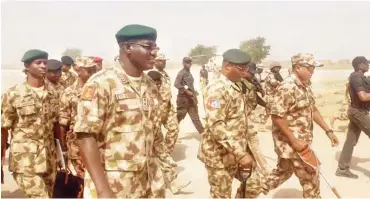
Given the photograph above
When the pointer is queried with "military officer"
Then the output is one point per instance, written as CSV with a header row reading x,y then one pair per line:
x,y
293,112
54,72
86,67
169,170
168,114
118,122
252,100
187,101
272,81
68,78
29,113
224,142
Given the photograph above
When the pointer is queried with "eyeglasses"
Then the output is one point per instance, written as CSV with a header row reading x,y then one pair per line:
x,y
149,47
241,68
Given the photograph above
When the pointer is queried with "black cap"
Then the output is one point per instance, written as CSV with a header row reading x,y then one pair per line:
x,y
359,60
187,60
67,60
252,68
54,65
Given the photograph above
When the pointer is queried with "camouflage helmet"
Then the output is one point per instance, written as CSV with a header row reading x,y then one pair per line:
x,y
85,62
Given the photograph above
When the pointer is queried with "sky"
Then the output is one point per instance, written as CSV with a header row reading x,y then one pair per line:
x,y
329,30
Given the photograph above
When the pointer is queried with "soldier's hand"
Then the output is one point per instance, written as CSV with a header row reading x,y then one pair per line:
x,y
247,161
189,93
333,138
299,145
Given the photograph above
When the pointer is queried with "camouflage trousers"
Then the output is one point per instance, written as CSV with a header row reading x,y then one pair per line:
x,y
36,186
169,121
131,184
79,167
253,186
220,181
308,177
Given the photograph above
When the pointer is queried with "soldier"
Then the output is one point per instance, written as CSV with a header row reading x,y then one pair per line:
x,y
170,171
358,114
99,62
253,183
224,144
85,67
272,81
342,114
252,99
53,75
293,112
118,123
168,114
187,101
68,78
29,113
203,77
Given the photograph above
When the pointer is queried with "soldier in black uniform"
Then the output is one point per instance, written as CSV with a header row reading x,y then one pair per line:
x,y
187,96
358,114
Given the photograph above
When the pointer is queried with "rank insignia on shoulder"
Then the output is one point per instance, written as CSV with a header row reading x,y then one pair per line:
x,y
88,93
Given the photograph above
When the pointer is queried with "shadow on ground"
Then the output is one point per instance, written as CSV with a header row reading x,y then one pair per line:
x,y
288,193
191,136
354,164
178,153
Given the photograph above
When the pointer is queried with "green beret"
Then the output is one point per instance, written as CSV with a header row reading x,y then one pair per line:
x,y
33,54
136,32
236,56
54,65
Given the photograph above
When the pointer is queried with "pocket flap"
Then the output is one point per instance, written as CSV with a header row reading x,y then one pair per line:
x,y
125,165
24,147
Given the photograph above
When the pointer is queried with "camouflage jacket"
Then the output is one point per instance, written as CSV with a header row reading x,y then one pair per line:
x,y
30,120
270,84
125,121
293,102
67,79
224,140
166,95
67,117
59,88
250,97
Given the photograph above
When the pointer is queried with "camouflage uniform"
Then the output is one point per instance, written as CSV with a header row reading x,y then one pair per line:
x,y
203,78
168,114
270,87
251,104
293,102
342,114
59,88
224,140
32,156
67,117
125,121
67,79
169,121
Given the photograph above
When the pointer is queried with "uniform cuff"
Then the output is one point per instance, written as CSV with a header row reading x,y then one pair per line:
x,y
64,121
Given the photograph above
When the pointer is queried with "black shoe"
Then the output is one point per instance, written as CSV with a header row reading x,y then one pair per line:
x,y
345,173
